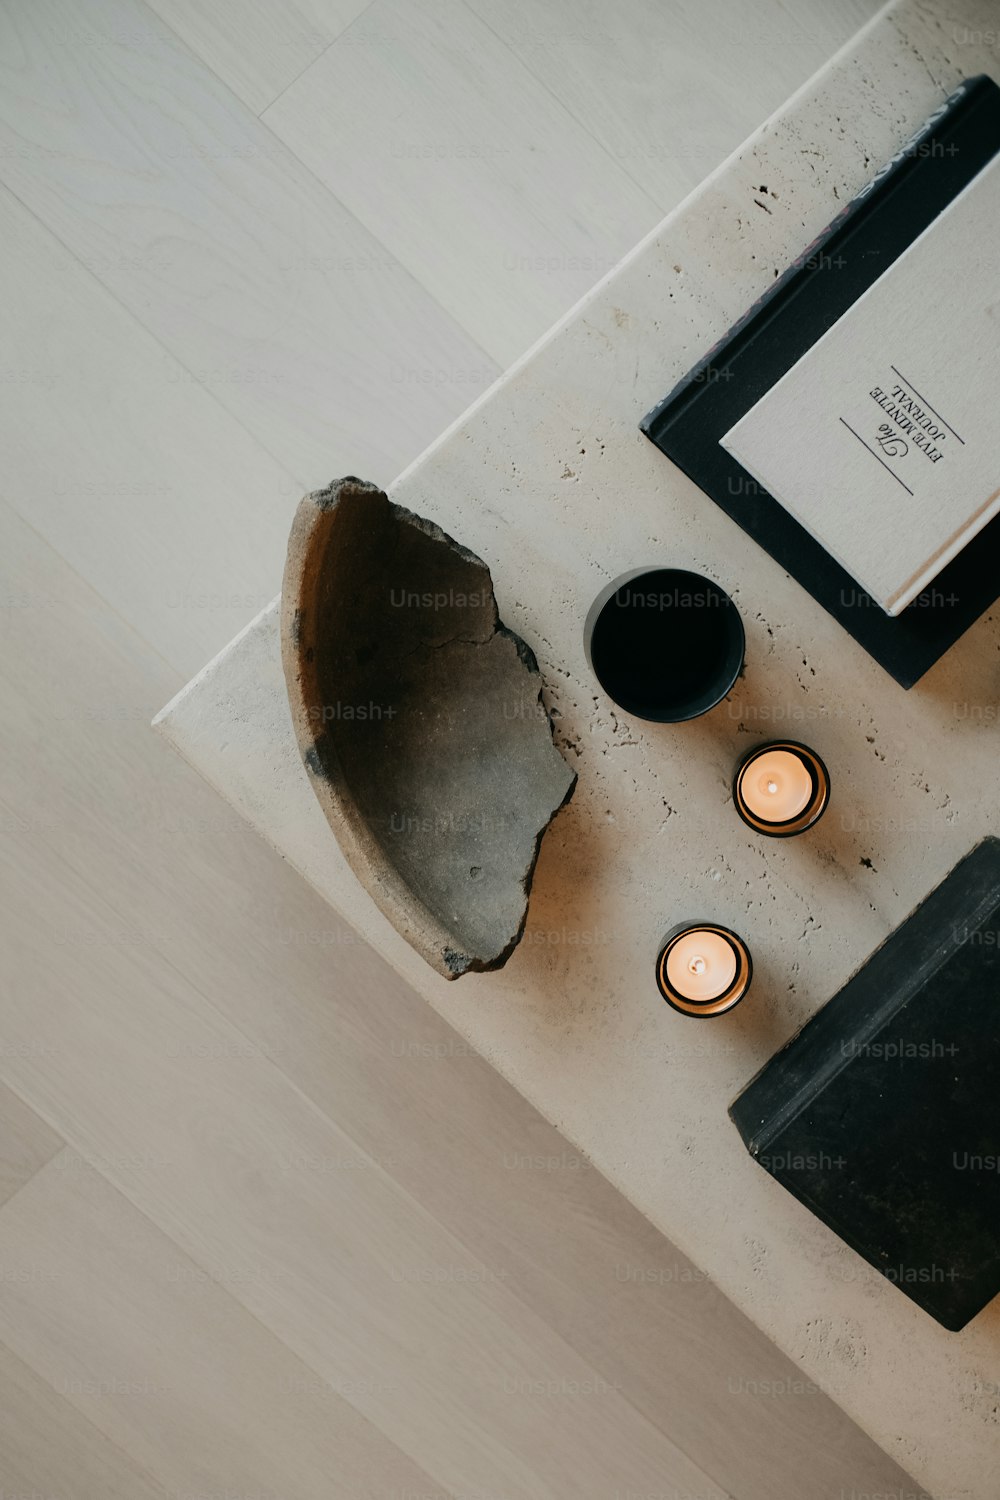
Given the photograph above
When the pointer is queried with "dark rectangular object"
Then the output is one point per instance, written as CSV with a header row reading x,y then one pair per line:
x,y
882,1115
873,230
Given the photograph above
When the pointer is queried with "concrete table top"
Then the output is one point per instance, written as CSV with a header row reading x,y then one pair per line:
x,y
549,480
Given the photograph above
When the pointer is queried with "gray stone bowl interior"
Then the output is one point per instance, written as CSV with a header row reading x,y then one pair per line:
x,y
420,721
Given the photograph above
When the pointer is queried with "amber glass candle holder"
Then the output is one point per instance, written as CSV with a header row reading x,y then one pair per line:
x,y
703,969
781,788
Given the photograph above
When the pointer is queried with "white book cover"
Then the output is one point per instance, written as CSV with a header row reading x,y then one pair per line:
x,y
883,440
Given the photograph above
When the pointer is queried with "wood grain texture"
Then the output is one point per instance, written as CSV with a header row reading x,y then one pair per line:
x,y
49,1451
653,82
258,48
26,1142
247,271
162,1359
458,166
149,488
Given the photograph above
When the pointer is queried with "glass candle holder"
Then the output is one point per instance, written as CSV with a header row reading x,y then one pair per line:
x,y
781,788
703,969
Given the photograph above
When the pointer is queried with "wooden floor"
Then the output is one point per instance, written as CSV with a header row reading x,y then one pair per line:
x,y
266,1228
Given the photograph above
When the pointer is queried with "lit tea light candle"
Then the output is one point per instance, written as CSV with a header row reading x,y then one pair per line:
x,y
777,786
781,788
701,965
703,969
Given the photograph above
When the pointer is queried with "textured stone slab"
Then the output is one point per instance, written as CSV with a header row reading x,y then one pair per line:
x,y
549,477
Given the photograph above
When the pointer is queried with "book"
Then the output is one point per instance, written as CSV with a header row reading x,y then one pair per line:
x,y
848,439
827,278
881,1116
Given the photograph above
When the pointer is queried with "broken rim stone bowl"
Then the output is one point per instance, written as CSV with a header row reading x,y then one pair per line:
x,y
420,720
664,644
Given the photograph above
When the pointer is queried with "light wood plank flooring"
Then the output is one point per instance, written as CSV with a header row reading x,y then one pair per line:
x,y
267,1227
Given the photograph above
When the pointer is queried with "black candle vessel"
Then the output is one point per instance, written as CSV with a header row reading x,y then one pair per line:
x,y
665,644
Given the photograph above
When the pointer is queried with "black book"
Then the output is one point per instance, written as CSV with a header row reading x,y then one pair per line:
x,y
882,1115
872,231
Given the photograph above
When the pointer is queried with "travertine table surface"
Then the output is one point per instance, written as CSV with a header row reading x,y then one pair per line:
x,y
549,480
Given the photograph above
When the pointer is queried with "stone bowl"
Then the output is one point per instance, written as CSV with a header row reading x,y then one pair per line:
x,y
420,720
